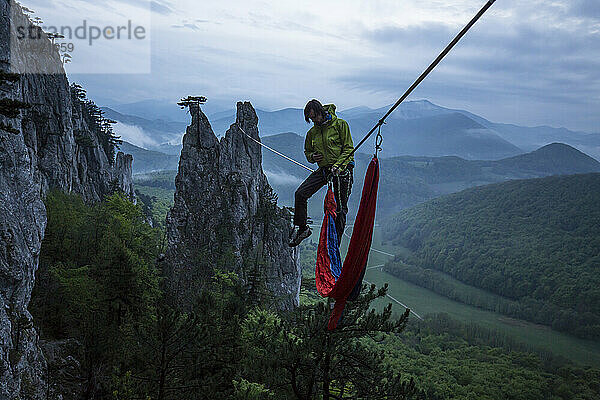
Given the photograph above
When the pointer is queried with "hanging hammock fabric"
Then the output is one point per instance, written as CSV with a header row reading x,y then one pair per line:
x,y
329,262
331,282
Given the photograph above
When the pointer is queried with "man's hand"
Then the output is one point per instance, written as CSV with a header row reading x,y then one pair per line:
x,y
318,157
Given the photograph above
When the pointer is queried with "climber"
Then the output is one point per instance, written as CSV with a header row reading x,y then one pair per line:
x,y
329,144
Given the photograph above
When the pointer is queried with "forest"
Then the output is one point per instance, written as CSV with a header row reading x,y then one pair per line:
x,y
100,288
531,243
99,285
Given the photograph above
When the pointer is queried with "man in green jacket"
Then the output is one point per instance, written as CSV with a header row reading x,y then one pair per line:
x,y
328,143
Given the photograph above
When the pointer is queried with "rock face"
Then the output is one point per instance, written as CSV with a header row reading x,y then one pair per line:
x,y
38,151
65,372
22,223
122,174
225,215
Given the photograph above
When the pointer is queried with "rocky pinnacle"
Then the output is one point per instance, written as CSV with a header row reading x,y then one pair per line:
x,y
225,216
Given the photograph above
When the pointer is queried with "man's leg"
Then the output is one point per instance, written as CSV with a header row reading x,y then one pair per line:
x,y
310,186
342,187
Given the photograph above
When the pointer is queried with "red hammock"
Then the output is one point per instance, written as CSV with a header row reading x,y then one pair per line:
x,y
330,282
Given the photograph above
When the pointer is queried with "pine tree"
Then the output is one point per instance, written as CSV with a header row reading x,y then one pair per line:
x,y
194,354
296,354
192,103
98,280
78,93
99,125
156,357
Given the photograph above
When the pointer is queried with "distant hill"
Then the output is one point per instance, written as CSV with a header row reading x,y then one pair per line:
x,y
407,181
529,138
552,159
157,134
269,122
148,160
400,138
152,109
534,242
158,127
446,134
417,128
526,138
157,179
292,146
407,110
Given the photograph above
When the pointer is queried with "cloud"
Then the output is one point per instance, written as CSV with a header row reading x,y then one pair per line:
x,y
431,34
160,7
532,62
134,135
188,25
176,140
539,61
282,178
585,8
113,4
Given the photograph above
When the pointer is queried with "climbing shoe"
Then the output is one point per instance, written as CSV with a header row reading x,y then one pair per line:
x,y
299,234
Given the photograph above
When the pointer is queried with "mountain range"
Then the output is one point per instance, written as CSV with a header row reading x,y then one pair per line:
x,y
428,150
157,134
409,180
145,161
412,180
405,180
416,128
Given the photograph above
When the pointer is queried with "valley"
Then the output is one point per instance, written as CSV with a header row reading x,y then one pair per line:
x,y
533,337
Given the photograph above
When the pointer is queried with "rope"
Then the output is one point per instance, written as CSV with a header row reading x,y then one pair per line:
x,y
372,249
424,74
398,302
383,252
379,266
379,138
276,152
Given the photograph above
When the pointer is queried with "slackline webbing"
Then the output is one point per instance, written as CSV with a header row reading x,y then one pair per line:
x,y
423,75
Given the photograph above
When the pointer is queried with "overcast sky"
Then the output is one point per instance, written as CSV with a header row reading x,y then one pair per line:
x,y
530,62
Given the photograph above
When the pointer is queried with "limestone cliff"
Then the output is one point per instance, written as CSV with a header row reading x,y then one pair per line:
x,y
225,215
39,149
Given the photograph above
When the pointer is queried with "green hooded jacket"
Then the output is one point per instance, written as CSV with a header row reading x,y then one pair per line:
x,y
332,139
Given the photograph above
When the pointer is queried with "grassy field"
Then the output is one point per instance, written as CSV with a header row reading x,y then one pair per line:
x,y
423,301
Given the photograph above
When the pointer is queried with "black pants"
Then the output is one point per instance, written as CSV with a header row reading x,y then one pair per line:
x,y
342,186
